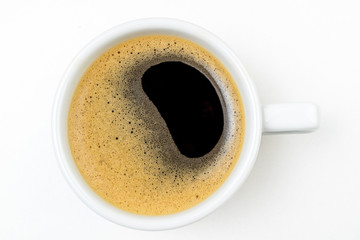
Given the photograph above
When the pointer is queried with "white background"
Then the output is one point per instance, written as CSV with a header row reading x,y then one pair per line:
x,y
302,186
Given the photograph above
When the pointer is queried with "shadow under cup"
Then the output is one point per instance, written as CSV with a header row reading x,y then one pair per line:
x,y
125,32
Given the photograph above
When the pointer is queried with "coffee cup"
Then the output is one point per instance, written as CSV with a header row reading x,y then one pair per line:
x,y
260,119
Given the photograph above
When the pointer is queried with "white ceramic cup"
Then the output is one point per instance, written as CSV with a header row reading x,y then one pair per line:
x,y
259,119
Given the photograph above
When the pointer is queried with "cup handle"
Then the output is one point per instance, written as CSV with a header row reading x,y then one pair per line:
x,y
290,118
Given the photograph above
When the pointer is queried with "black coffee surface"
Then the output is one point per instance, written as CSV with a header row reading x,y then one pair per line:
x,y
188,103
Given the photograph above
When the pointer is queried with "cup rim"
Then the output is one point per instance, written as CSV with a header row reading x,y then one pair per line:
x,y
113,36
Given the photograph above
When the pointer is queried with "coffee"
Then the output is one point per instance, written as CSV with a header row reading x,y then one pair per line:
x,y
141,136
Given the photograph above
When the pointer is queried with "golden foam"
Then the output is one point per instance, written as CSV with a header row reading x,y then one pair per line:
x,y
121,144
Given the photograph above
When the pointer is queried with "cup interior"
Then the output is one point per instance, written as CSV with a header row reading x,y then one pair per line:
x,y
89,54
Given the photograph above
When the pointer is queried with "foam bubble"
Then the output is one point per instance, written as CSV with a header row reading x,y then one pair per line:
x,y
121,144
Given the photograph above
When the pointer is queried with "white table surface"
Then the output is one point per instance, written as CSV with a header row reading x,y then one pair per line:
x,y
302,186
